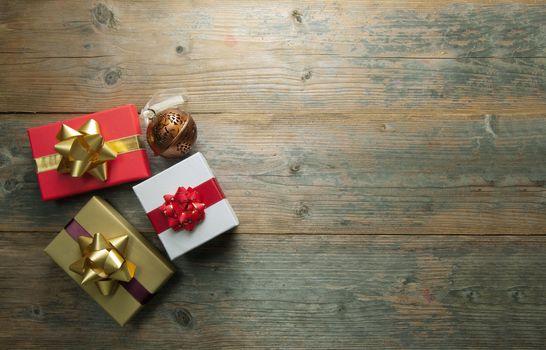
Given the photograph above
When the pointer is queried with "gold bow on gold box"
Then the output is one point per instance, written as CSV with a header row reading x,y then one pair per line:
x,y
117,260
103,262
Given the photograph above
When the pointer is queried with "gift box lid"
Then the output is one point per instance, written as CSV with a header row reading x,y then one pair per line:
x,y
193,172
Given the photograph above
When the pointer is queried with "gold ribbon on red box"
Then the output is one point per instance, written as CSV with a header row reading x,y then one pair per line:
x,y
85,151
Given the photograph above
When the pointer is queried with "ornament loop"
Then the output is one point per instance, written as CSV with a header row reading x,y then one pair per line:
x,y
170,131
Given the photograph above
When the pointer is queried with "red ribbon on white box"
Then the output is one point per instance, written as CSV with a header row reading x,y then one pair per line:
x,y
193,172
209,194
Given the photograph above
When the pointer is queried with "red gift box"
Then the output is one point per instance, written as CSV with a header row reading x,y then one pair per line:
x,y
116,123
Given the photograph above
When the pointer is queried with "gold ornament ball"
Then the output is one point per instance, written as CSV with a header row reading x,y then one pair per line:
x,y
171,133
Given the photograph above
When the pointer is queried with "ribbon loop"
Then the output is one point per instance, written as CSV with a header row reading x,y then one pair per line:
x,y
84,151
184,210
103,262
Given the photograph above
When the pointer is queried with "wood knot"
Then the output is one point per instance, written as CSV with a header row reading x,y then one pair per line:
x,y
306,75
112,76
36,312
180,49
516,295
104,16
11,184
294,167
387,127
341,308
302,210
470,295
297,16
183,317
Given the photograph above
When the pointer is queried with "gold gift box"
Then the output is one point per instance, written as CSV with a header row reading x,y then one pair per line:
x,y
152,269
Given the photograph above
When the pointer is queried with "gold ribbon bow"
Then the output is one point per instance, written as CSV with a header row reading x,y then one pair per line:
x,y
84,151
103,262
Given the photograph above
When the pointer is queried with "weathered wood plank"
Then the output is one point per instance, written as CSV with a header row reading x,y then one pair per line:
x,y
334,173
319,292
440,29
338,121
277,56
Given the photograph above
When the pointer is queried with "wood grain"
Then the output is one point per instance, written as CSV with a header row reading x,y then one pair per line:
x,y
335,173
319,292
387,161
275,56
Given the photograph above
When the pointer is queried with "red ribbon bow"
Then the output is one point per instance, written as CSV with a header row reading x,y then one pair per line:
x,y
184,209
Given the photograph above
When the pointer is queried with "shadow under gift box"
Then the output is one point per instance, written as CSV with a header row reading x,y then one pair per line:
x,y
192,172
115,123
152,269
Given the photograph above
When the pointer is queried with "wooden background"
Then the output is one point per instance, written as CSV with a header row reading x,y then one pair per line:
x,y
387,161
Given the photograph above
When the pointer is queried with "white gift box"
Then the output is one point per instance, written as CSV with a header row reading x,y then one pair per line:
x,y
191,172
